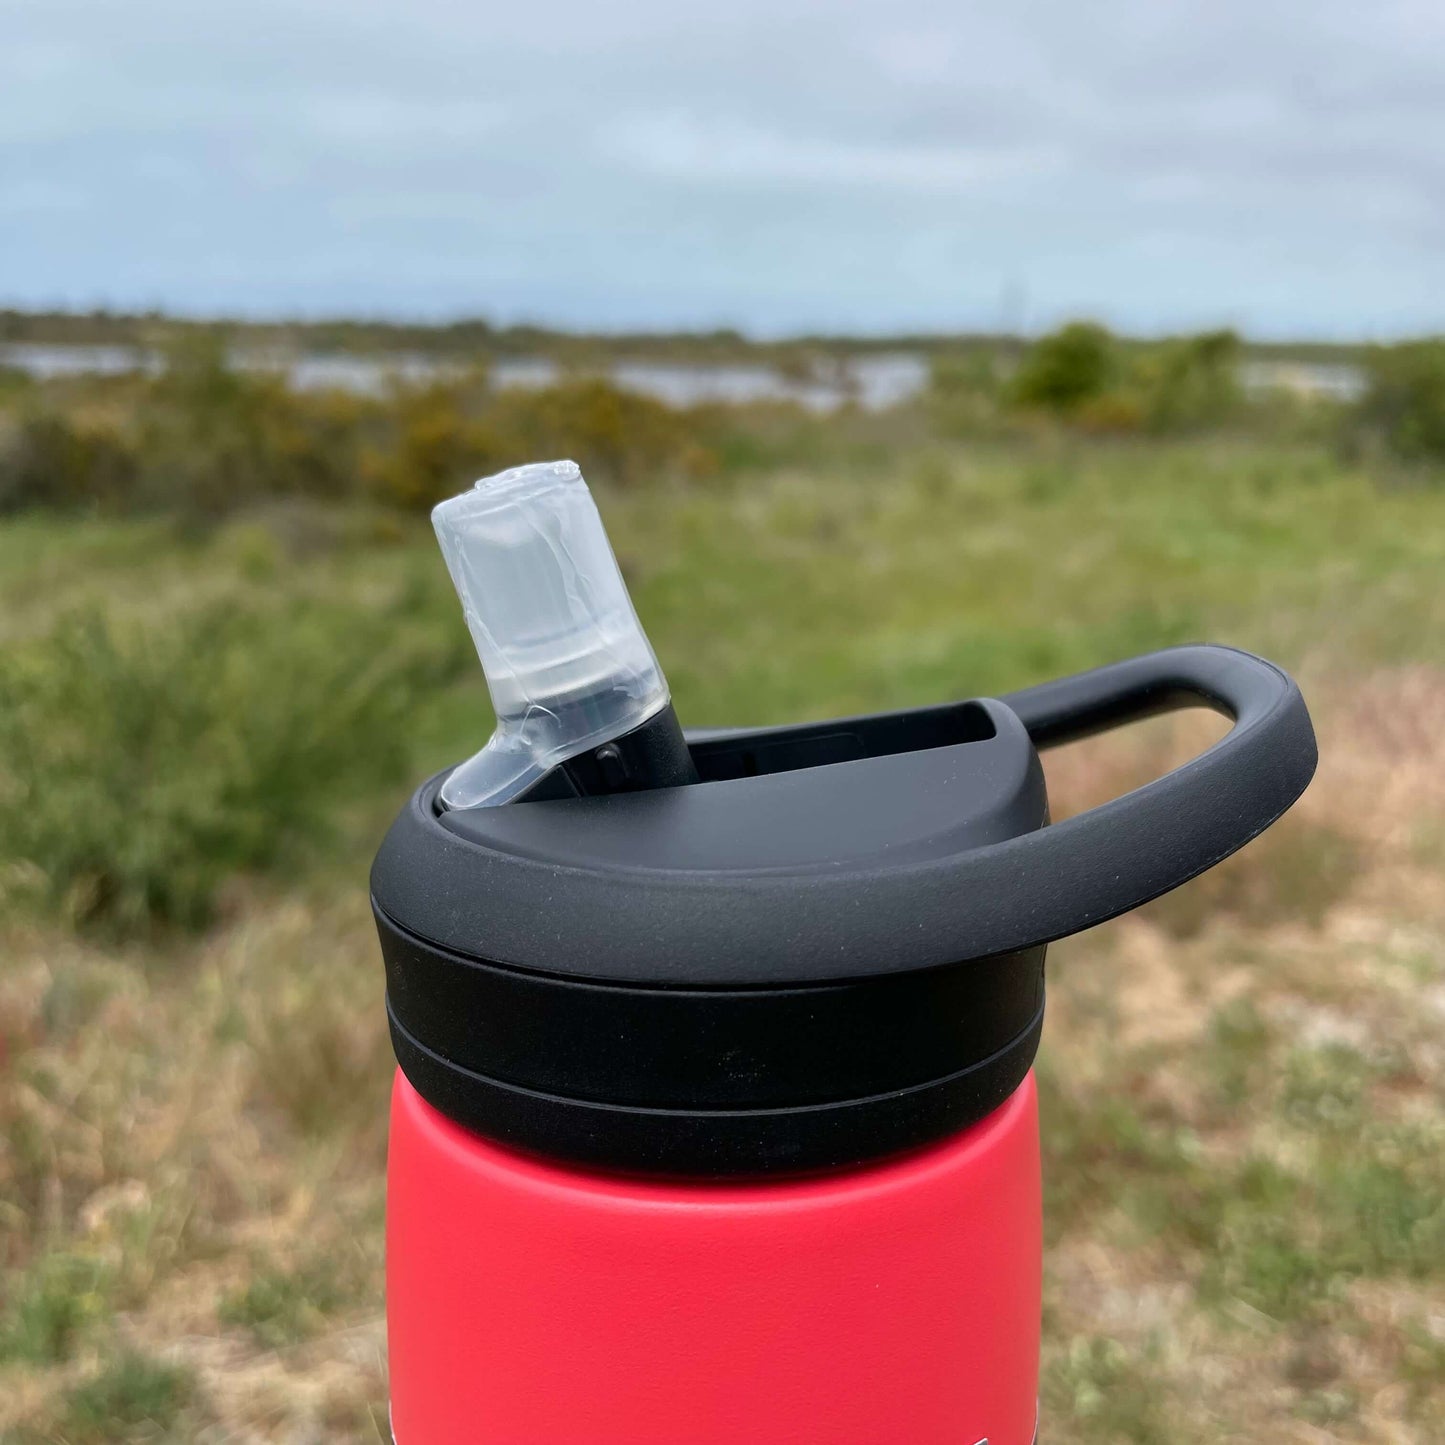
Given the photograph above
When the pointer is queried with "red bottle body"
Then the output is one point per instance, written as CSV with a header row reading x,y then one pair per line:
x,y
530,1303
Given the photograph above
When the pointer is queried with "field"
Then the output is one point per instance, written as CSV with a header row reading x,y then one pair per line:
x,y
207,717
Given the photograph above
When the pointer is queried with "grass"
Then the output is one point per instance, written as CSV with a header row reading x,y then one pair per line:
x,y
1241,1084
132,1399
1107,1392
285,1307
52,1307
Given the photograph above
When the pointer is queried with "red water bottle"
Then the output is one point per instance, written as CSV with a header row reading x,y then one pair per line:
x,y
714,1122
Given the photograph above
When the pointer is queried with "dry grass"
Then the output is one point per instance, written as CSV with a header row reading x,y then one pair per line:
x,y
1243,1117
199,1135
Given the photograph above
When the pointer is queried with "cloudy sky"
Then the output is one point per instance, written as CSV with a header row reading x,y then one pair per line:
x,y
773,164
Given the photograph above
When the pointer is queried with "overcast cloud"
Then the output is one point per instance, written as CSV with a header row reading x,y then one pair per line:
x,y
1277,166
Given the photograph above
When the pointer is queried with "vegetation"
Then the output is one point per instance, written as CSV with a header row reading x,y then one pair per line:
x,y
1074,365
476,338
134,1398
227,646
284,1307
1404,409
472,341
142,771
201,440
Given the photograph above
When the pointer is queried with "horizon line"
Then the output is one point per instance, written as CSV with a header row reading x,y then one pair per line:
x,y
398,320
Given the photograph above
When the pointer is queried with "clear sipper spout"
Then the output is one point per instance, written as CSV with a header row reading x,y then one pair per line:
x,y
567,662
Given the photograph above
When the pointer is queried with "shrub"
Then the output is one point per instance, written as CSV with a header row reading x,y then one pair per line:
x,y
203,439
1069,367
432,445
14,380
1114,413
200,440
212,438
138,770
1403,408
441,436
50,460
963,393
615,435
1190,382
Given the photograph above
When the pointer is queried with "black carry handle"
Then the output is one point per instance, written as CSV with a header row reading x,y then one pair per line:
x,y
1054,881
1123,853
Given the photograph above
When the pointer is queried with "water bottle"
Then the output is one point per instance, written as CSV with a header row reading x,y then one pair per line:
x,y
714,1121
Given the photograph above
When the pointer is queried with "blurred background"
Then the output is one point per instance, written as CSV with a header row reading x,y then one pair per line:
x,y
913,351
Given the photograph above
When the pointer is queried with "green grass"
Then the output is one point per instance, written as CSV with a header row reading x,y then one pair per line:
x,y
132,1399
1284,1227
804,594
281,1307
1108,1393
48,1310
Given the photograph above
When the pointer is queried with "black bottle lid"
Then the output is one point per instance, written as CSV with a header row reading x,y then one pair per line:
x,y
828,949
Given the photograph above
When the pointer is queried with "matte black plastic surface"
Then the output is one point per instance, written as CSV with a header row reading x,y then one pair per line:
x,y
708,1048
716,1143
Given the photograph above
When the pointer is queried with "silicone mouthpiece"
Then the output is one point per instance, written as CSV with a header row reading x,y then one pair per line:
x,y
567,662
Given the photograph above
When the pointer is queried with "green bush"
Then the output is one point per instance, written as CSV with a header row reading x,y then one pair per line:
x,y
48,459
140,769
1063,371
964,393
14,381
432,443
212,438
199,440
1403,408
1083,373
1191,382
439,437
615,435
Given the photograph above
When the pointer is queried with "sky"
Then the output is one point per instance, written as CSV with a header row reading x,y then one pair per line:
x,y
921,165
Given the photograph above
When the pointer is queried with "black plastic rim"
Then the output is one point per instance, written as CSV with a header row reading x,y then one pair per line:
x,y
717,1143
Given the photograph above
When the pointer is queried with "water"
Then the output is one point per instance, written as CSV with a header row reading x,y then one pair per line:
x,y
872,382
46,362
1321,380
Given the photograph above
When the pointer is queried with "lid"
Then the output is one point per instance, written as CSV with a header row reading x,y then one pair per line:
x,y
828,949
695,979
